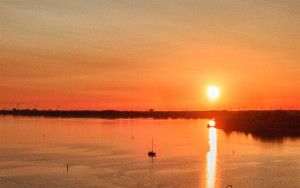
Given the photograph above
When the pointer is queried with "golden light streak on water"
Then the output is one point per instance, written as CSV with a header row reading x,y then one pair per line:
x,y
211,158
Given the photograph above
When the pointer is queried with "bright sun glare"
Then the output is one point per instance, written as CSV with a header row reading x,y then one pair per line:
x,y
212,123
213,92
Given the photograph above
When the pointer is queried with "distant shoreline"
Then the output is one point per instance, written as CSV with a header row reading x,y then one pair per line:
x,y
146,114
252,121
113,113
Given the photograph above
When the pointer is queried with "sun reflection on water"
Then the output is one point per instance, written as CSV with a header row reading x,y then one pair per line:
x,y
211,158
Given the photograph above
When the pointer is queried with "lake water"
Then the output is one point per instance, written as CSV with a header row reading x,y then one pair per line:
x,y
35,152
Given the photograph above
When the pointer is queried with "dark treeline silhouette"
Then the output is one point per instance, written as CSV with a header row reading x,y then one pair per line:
x,y
263,124
260,123
112,113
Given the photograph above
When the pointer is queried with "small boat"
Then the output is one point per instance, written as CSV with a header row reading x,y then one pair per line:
x,y
152,153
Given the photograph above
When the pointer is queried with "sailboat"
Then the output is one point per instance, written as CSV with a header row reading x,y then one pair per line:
x,y
152,153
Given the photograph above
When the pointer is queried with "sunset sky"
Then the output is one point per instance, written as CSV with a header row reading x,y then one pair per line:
x,y
136,55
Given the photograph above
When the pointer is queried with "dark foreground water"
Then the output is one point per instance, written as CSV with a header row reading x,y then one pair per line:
x,y
53,152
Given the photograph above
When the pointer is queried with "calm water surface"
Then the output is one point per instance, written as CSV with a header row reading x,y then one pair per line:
x,y
35,152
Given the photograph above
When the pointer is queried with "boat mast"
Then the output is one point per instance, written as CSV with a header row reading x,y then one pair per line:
x,y
152,143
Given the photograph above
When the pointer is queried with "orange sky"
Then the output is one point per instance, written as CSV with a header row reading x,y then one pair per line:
x,y
149,54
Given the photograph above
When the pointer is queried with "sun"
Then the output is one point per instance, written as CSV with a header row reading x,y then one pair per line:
x,y
213,92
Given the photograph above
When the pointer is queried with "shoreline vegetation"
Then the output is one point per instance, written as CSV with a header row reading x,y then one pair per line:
x,y
270,122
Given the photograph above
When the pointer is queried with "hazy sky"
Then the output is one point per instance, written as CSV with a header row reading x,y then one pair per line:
x,y
122,54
